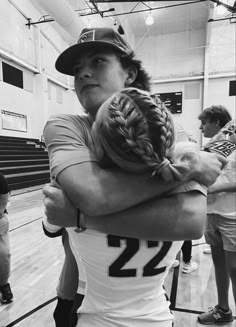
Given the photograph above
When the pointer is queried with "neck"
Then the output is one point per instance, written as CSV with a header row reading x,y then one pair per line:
x,y
91,118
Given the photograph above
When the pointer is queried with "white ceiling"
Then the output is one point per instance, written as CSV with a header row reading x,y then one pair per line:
x,y
169,16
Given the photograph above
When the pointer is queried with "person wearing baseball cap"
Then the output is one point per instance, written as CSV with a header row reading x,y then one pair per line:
x,y
124,273
91,38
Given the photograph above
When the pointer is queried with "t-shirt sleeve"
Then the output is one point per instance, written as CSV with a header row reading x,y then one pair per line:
x,y
190,186
69,142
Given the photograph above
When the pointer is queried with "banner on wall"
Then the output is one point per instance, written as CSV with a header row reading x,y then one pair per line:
x,y
14,121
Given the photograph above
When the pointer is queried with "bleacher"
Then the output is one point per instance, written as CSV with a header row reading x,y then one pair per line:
x,y
24,162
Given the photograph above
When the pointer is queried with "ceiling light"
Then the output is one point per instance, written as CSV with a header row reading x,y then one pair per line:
x,y
149,20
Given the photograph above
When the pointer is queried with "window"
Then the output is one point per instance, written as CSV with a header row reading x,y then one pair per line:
x,y
12,75
232,88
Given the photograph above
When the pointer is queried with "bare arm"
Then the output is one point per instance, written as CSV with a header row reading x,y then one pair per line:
x,y
222,187
180,216
94,190
98,191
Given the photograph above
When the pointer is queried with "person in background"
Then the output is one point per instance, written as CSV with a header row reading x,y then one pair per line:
x,y
188,264
103,64
6,295
220,230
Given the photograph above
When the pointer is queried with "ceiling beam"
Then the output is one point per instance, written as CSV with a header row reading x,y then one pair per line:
x,y
154,8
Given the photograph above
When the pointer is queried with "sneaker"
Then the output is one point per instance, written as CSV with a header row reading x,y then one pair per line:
x,y
189,267
6,293
175,264
215,315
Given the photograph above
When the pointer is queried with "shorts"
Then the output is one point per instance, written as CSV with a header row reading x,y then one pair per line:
x,y
221,232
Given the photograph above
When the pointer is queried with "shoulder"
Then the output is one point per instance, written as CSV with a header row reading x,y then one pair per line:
x,y
67,119
69,125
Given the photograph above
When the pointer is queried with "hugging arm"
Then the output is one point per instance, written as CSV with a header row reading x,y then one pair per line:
x,y
94,190
98,191
177,217
222,187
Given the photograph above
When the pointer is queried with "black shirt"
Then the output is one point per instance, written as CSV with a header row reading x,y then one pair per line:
x,y
4,187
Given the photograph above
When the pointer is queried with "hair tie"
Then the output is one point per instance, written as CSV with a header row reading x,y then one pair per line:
x,y
160,166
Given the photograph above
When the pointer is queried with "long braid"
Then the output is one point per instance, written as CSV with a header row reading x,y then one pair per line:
x,y
136,132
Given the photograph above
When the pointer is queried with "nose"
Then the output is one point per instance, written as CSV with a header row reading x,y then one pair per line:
x,y
84,74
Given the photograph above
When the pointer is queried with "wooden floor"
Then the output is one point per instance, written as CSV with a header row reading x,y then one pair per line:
x,y
37,260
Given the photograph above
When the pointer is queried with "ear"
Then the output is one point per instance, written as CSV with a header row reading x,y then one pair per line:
x,y
131,75
217,122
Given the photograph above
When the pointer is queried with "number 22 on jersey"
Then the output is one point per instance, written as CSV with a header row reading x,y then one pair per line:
x,y
132,247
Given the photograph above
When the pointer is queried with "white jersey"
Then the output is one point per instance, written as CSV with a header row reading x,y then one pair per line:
x,y
124,280
73,237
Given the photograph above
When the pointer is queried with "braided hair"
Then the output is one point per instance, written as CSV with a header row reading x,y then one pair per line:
x,y
135,132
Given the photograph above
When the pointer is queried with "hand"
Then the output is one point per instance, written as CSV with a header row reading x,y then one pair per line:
x,y
58,208
206,167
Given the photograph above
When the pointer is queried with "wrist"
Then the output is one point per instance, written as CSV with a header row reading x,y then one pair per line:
x,y
211,190
80,221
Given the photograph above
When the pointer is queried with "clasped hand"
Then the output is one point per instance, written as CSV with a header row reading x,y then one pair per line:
x,y
204,167
58,207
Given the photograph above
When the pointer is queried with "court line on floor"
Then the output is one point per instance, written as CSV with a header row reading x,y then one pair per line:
x,y
31,312
25,191
173,294
172,297
174,289
197,244
174,286
29,222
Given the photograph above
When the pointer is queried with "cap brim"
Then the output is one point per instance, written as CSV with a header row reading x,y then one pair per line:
x,y
67,59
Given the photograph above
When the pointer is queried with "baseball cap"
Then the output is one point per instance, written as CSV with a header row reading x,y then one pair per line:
x,y
88,39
